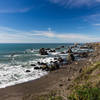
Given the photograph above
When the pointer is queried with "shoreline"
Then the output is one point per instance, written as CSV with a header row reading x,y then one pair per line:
x,y
45,83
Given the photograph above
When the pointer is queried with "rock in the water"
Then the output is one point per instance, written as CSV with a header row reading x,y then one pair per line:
x,y
33,65
54,66
28,71
62,46
60,60
36,68
45,67
69,50
47,49
52,51
57,48
42,51
62,52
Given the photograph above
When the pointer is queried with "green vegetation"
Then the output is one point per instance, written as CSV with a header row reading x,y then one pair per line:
x,y
90,74
85,93
50,98
86,85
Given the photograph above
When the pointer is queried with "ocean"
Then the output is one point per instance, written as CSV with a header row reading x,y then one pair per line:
x,y
16,59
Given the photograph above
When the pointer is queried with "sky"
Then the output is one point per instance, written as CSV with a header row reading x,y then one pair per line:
x,y
49,21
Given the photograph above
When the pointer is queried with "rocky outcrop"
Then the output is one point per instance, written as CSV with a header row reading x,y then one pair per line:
x,y
69,50
52,50
42,51
70,57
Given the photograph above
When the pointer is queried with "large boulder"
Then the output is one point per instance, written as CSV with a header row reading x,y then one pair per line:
x,y
52,50
69,50
60,60
70,57
42,51
54,66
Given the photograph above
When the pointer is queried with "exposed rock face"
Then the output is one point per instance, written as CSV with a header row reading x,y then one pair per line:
x,y
62,52
28,71
43,51
52,51
60,60
69,50
33,65
36,68
54,66
45,67
70,57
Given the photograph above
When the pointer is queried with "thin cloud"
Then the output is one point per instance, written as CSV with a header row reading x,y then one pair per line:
x,y
93,19
21,10
97,24
75,3
9,35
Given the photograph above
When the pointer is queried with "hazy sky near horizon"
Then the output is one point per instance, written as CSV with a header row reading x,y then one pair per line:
x,y
49,21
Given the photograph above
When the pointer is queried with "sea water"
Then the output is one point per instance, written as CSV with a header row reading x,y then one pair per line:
x,y
16,59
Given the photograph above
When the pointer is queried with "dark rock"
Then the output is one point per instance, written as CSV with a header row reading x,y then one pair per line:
x,y
70,57
57,48
28,71
60,59
54,66
38,63
36,68
55,58
68,79
42,51
60,85
23,66
47,49
33,65
45,67
62,46
41,63
80,70
52,51
62,52
69,50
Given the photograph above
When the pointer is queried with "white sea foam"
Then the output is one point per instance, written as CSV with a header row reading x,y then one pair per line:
x,y
47,60
55,53
11,75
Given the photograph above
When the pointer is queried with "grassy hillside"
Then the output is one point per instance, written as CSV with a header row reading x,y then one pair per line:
x,y
87,85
